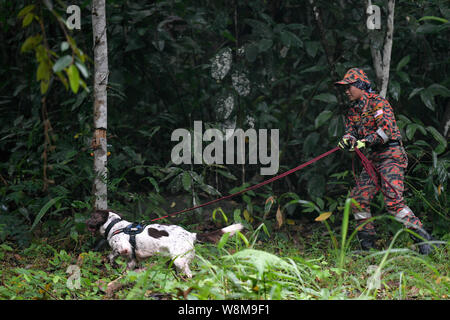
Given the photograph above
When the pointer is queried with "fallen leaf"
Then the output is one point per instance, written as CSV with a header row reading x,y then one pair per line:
x,y
290,222
323,216
279,217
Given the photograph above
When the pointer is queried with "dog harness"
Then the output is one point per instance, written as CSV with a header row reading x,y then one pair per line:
x,y
132,230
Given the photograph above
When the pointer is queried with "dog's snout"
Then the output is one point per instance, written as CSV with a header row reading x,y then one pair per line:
x,y
91,225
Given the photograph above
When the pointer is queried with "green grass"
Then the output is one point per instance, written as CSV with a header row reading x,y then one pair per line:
x,y
250,266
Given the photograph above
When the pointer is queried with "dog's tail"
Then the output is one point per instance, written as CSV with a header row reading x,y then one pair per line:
x,y
215,236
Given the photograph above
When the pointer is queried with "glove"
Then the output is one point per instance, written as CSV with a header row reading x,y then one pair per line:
x,y
346,142
358,144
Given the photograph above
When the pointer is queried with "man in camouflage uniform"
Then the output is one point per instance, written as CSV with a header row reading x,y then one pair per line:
x,y
370,122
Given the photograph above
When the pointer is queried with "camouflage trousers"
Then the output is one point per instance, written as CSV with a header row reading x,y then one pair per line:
x,y
391,162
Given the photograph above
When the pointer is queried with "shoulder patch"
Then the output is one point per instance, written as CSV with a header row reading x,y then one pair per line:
x,y
378,114
377,110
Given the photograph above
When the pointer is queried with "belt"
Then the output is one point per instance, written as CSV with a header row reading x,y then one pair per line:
x,y
392,143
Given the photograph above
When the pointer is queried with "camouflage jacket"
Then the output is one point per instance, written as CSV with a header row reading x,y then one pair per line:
x,y
372,119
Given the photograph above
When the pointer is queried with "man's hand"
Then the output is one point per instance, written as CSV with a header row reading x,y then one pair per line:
x,y
358,144
346,143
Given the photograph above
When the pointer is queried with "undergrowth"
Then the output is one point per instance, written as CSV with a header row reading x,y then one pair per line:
x,y
254,265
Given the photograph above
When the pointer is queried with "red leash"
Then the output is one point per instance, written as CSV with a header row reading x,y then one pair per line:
x,y
371,170
256,186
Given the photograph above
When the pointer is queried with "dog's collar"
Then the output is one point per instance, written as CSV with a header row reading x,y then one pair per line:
x,y
110,225
132,230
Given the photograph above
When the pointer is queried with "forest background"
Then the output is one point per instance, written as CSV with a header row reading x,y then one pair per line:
x,y
230,64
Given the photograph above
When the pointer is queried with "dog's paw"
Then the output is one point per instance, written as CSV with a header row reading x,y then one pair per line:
x,y
131,265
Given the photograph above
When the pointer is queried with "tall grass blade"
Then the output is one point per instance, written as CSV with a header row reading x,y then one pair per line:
x,y
344,229
44,210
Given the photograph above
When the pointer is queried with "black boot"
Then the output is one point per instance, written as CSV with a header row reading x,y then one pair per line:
x,y
366,240
425,247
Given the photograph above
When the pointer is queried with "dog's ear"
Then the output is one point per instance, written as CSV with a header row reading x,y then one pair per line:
x,y
102,214
120,216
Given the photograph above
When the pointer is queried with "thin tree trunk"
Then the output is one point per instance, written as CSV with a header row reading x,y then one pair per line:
x,y
382,61
387,49
100,103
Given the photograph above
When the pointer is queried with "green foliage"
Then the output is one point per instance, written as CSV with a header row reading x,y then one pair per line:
x,y
45,56
238,267
162,59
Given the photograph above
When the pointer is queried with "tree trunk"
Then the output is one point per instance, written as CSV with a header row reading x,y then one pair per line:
x,y
382,61
100,102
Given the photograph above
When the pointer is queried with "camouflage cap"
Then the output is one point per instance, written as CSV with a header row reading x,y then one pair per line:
x,y
353,75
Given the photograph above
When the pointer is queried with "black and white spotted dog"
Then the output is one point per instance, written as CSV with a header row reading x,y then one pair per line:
x,y
127,240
